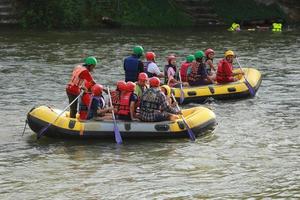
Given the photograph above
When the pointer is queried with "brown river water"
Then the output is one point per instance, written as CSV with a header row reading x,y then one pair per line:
x,y
253,152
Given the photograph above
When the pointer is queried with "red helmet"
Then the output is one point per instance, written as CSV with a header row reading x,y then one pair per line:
x,y
97,89
150,55
121,85
208,51
154,82
143,76
130,86
171,57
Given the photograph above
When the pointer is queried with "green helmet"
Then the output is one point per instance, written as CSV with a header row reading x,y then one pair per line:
x,y
90,61
199,54
138,50
190,58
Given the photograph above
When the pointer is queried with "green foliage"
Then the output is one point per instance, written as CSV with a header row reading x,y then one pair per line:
x,y
152,13
239,10
53,14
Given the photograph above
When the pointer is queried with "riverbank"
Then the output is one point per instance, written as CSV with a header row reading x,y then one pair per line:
x,y
76,14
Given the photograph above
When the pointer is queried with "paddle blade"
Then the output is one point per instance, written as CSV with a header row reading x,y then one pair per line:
x,y
181,97
191,134
118,137
251,89
42,131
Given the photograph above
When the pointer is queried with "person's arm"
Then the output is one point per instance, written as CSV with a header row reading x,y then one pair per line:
x,y
155,70
171,74
133,100
165,106
88,80
132,110
211,65
101,111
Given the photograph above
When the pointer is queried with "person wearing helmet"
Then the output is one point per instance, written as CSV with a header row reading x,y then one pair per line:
x,y
127,106
211,70
225,69
81,79
198,75
150,67
133,65
167,91
185,66
154,105
115,94
171,73
93,105
141,84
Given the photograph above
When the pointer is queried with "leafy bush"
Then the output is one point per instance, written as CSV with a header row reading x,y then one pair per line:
x,y
240,10
152,13
54,14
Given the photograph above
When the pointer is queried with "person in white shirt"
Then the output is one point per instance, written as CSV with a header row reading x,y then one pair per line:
x,y
150,67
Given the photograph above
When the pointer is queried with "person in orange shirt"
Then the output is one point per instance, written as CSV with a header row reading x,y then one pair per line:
x,y
81,79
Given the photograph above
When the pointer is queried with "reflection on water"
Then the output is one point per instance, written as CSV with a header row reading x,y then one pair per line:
x,y
254,150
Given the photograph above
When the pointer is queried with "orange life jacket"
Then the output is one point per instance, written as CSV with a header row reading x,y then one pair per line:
x,y
84,105
115,97
124,107
183,71
75,79
76,82
222,75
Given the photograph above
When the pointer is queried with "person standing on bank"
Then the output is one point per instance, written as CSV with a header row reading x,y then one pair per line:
x,y
81,79
133,65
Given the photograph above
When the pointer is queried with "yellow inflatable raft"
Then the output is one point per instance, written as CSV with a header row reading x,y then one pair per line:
x,y
201,120
234,90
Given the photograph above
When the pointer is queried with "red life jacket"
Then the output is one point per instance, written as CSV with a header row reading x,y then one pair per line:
x,y
183,71
84,105
223,75
73,86
124,107
115,97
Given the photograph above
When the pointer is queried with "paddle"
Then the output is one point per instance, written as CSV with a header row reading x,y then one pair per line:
x,y
190,132
181,91
42,131
118,137
251,89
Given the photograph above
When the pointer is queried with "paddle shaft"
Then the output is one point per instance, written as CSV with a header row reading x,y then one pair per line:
x,y
190,132
181,89
118,136
42,131
251,89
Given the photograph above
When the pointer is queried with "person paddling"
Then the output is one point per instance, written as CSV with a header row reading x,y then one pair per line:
x,y
133,65
171,73
81,79
225,69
